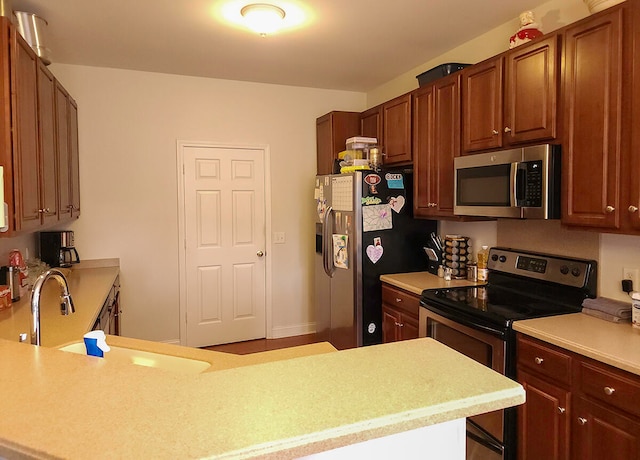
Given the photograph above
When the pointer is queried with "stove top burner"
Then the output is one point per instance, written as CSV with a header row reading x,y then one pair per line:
x,y
515,291
494,303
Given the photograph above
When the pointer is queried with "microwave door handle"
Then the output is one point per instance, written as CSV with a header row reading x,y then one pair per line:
x,y
517,182
513,185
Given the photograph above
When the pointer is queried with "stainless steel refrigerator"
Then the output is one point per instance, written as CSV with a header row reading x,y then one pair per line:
x,y
364,229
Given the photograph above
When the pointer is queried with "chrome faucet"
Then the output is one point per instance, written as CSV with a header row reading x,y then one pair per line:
x,y
66,304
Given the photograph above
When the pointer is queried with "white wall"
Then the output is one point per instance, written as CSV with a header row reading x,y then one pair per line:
x,y
550,16
129,123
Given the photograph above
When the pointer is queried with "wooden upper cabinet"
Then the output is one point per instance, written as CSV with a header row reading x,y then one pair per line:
x,y
532,76
593,85
436,134
332,131
63,151
396,133
482,105
371,123
74,153
512,99
25,145
632,163
423,150
46,145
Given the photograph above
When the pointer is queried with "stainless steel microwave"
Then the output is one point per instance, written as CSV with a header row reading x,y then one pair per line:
x,y
516,183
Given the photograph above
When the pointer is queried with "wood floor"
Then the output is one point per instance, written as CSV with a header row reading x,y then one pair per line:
x,y
255,346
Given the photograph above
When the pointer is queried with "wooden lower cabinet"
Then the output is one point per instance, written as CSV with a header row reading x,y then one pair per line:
x,y
400,310
576,408
544,417
599,432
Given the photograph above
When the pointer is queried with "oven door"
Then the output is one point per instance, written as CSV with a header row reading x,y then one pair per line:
x,y
485,432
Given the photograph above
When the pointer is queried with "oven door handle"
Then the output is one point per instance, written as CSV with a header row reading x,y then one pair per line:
x,y
483,438
465,321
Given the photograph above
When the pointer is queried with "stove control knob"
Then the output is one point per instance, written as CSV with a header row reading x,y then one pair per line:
x,y
576,271
564,269
503,259
494,257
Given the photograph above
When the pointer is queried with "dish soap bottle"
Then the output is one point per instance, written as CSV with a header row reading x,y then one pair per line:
x,y
483,259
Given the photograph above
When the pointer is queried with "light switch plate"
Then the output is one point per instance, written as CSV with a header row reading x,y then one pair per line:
x,y
278,237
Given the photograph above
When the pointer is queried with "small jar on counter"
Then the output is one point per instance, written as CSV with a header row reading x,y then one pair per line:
x,y
5,297
472,272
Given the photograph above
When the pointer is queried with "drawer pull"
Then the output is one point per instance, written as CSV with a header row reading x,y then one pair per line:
x,y
561,410
538,360
609,391
399,324
398,300
582,420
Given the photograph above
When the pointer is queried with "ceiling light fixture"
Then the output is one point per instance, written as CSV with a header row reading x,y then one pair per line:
x,y
263,18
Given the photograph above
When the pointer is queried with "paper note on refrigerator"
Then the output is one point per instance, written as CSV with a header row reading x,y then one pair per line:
x,y
376,217
340,251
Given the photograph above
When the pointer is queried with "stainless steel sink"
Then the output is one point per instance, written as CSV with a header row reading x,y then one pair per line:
x,y
146,358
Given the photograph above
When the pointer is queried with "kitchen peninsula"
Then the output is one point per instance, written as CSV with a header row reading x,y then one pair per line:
x,y
66,405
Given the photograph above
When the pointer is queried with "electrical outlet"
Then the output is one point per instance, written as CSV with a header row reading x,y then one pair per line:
x,y
278,237
632,274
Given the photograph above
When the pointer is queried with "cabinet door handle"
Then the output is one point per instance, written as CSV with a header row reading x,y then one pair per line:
x,y
582,420
399,324
561,410
633,208
609,209
538,360
609,391
398,300
495,132
507,129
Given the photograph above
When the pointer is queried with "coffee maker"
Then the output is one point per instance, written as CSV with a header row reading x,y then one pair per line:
x,y
57,249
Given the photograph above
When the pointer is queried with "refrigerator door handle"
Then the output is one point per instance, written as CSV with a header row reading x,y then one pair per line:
x,y
327,247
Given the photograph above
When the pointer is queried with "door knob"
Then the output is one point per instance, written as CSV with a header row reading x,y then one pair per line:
x,y
561,410
609,209
494,132
633,208
582,420
259,253
507,129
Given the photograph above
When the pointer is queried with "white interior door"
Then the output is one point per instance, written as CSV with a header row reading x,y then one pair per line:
x,y
224,273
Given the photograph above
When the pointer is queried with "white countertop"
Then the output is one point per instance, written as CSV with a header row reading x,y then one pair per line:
x,y
616,344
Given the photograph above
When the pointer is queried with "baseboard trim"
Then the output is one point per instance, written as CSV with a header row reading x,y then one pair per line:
x,y
290,331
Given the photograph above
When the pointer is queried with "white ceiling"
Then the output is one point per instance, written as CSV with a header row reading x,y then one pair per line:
x,y
349,44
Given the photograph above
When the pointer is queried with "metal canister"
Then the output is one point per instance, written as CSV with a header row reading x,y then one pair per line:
x,y
472,272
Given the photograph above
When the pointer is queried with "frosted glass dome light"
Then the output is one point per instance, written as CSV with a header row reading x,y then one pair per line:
x,y
263,18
